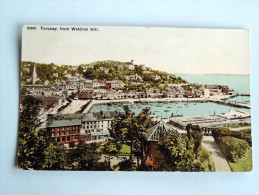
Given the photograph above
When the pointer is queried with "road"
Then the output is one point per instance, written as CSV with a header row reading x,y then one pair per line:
x,y
221,165
239,128
116,159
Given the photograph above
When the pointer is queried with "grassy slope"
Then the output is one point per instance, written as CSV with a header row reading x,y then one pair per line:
x,y
244,164
206,160
124,150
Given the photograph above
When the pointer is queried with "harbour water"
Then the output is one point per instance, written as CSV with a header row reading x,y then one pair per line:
x,y
240,99
239,83
166,110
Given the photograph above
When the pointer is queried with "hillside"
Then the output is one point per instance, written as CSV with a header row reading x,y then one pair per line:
x,y
100,70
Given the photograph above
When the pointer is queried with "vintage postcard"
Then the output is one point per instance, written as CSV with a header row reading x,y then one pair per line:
x,y
105,98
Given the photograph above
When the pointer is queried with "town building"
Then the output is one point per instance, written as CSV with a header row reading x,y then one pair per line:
x,y
115,84
98,84
83,96
143,67
130,65
208,123
90,127
221,88
98,125
66,130
88,84
119,67
134,77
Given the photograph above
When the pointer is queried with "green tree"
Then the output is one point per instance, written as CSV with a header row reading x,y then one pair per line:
x,y
35,151
72,145
86,157
195,137
130,129
177,155
80,69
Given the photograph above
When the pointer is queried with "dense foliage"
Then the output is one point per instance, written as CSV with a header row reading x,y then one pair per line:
x,y
179,156
195,136
243,134
233,148
85,157
102,70
129,129
233,144
35,151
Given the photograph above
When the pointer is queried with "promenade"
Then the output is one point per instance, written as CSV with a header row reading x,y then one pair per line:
x,y
220,162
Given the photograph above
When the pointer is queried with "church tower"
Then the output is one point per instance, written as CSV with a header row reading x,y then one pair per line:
x,y
34,75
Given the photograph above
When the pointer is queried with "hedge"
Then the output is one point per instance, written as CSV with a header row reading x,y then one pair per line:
x,y
233,148
243,134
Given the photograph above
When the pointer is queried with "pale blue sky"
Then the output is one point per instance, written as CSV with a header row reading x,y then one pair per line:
x,y
174,50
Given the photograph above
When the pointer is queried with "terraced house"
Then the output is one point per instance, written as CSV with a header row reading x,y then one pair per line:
x,y
91,127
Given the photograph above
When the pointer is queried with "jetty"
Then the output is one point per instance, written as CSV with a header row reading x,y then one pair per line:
x,y
208,123
233,104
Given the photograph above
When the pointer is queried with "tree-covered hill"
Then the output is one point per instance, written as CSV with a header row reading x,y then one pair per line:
x,y
100,70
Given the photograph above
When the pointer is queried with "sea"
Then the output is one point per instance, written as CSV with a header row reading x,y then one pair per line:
x,y
239,83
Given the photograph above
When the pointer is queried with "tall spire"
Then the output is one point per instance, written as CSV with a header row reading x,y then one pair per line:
x,y
34,75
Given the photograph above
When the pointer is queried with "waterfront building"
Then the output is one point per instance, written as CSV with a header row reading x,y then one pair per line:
x,y
98,125
66,130
171,94
188,94
222,88
208,123
83,96
90,127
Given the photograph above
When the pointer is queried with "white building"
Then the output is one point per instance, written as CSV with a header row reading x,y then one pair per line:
x,y
98,125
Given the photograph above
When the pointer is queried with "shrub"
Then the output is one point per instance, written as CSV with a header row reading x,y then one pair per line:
x,y
233,148
243,134
205,160
124,165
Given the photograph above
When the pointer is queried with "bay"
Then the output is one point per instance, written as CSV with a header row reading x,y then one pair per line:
x,y
239,83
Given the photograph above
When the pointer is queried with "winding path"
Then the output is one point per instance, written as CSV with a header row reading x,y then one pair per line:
x,y
221,165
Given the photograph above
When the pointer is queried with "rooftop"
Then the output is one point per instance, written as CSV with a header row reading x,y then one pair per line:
x,y
100,133
154,132
64,123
